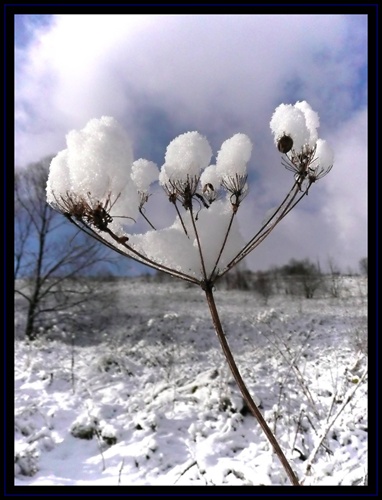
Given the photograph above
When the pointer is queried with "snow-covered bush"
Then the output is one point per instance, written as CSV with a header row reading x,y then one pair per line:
x,y
98,186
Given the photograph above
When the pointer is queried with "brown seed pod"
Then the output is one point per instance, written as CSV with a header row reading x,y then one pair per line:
x,y
285,144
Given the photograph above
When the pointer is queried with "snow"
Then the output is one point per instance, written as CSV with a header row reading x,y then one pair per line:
x,y
289,120
312,121
144,173
149,400
173,248
186,156
233,157
324,155
97,183
96,167
210,176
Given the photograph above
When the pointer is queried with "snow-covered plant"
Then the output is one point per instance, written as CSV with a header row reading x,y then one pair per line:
x,y
98,186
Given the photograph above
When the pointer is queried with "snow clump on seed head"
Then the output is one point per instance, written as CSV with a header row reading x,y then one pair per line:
x,y
186,156
233,156
144,173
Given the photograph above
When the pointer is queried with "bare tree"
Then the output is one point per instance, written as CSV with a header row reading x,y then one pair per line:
x,y
50,253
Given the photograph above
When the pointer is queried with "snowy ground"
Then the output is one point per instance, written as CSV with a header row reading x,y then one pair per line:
x,y
153,403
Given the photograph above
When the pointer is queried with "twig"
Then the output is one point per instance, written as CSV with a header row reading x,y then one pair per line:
x,y
120,471
284,208
180,217
331,422
146,219
99,440
224,243
133,254
186,470
297,429
72,363
199,244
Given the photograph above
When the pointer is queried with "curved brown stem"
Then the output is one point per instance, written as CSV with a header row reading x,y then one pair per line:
x,y
243,388
199,245
224,243
146,219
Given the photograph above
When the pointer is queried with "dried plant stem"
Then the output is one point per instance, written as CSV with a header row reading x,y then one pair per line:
x,y
243,388
180,218
146,219
199,244
120,471
284,208
224,243
133,254
189,466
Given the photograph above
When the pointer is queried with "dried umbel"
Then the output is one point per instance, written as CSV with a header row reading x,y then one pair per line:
x,y
94,213
295,132
238,188
203,242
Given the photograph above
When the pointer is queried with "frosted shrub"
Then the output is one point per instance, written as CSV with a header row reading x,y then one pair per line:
x,y
99,187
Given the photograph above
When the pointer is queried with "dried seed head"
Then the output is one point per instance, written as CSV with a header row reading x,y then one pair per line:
x,y
285,144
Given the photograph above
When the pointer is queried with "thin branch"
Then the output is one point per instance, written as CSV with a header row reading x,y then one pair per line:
x,y
23,295
224,242
120,471
331,422
138,257
265,230
146,219
199,244
180,217
191,464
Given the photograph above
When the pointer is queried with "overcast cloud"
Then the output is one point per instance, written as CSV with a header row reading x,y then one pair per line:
x,y
219,74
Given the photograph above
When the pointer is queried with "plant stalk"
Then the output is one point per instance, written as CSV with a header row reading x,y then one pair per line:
x,y
243,388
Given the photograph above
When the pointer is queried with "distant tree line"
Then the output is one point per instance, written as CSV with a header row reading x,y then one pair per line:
x,y
297,278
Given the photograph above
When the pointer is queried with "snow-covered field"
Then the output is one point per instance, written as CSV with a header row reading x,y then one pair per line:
x,y
151,401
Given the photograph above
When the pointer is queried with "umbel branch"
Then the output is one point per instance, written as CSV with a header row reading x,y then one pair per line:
x,y
205,198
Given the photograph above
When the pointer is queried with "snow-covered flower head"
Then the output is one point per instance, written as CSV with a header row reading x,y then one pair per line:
x,y
231,166
233,156
289,121
144,173
98,186
93,173
186,156
294,129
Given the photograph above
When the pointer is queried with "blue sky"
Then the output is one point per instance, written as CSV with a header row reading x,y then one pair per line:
x,y
164,75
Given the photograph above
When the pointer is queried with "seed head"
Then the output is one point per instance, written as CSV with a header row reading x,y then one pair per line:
x,y
285,144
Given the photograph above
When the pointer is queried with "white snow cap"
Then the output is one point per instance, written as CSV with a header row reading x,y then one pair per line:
x,y
98,167
233,156
97,162
187,155
324,156
210,176
299,122
144,173
312,120
59,178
